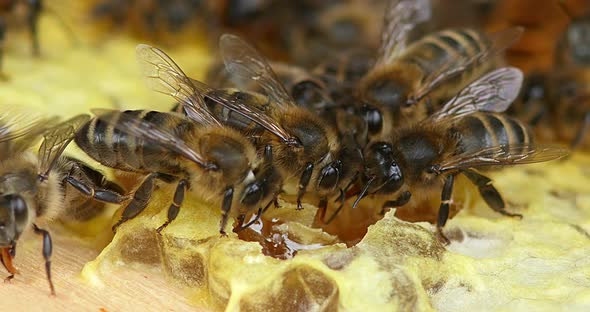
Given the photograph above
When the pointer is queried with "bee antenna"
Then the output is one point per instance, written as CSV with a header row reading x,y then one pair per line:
x,y
363,192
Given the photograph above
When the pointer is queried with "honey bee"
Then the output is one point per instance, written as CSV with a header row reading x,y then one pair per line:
x,y
197,153
559,99
307,150
335,28
405,82
343,70
569,50
46,186
153,19
467,133
32,9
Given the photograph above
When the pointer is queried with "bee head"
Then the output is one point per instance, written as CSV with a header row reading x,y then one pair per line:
x,y
13,218
382,169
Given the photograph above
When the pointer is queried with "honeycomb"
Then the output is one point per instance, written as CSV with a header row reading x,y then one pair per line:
x,y
397,265
285,263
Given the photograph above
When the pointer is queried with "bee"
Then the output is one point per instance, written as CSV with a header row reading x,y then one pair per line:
x,y
406,80
307,150
151,18
333,29
559,99
32,9
44,186
569,52
196,153
240,12
466,134
569,90
345,69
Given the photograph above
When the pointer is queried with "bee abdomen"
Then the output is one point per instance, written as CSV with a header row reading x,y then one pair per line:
x,y
117,149
483,130
434,50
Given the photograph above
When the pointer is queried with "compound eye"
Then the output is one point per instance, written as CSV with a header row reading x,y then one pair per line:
x,y
19,207
330,175
373,118
252,194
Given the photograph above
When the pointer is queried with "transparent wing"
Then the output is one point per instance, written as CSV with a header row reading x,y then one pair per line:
x,y
492,92
400,18
163,75
14,125
248,111
56,139
245,63
504,155
454,66
149,131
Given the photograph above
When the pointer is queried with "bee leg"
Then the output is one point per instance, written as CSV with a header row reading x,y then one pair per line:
x,y
334,214
249,224
89,189
276,203
303,182
538,116
241,218
403,199
342,194
268,205
35,7
341,198
47,249
443,211
582,131
322,208
174,208
225,207
140,200
489,193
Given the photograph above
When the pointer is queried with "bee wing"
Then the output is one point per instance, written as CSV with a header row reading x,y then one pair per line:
x,y
245,63
492,92
15,125
149,131
56,139
400,18
163,75
504,155
454,66
248,111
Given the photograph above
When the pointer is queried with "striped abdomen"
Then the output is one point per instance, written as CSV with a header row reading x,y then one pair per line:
x,y
116,149
448,47
481,130
434,50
